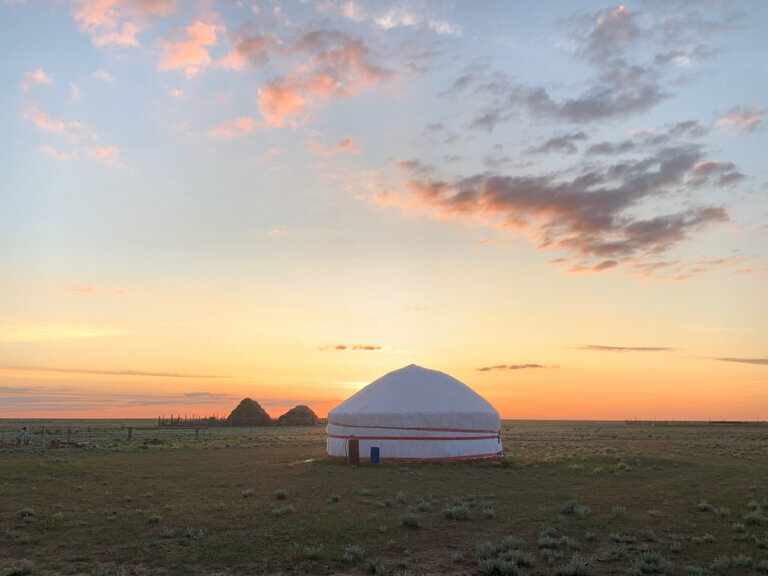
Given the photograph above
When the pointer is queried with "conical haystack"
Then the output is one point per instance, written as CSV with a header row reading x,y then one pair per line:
x,y
249,413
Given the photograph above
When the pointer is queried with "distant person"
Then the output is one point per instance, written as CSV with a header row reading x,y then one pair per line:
x,y
24,437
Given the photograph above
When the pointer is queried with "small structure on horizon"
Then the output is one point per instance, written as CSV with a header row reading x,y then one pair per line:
x,y
416,413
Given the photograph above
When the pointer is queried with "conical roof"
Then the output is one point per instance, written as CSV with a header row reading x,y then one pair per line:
x,y
416,397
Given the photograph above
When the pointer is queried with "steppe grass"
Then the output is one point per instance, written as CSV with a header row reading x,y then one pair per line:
x,y
242,501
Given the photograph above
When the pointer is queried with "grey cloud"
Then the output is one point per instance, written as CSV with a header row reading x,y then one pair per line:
x,y
611,148
589,215
563,144
717,173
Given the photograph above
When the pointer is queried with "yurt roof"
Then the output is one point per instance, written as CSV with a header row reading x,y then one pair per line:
x,y
414,396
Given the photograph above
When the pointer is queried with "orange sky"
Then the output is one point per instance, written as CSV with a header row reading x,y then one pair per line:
x,y
564,208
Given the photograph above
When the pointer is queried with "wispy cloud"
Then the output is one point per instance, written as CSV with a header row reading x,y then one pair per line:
x,y
347,145
51,151
509,367
251,50
44,121
108,155
628,55
36,78
102,75
117,22
404,16
563,144
590,215
131,373
232,128
75,94
190,51
757,361
740,120
599,348
337,66
363,347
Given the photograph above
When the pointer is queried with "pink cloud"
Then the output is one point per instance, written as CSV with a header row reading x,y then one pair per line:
x,y
278,102
108,155
740,120
347,145
338,66
56,154
44,120
251,49
232,128
36,78
117,22
102,75
190,53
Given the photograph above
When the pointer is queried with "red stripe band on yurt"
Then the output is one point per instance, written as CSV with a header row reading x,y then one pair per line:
x,y
468,457
415,437
411,428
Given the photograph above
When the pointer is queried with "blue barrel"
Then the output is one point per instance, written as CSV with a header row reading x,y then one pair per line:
x,y
374,454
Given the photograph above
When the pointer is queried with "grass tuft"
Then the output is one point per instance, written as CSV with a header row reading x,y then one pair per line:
x,y
652,562
20,568
754,518
410,520
25,513
281,494
283,510
353,553
458,512
576,566
312,552
377,567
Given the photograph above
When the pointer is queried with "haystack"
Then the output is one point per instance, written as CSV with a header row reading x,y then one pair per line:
x,y
298,416
249,413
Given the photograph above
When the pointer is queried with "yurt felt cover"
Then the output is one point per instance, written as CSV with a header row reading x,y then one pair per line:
x,y
416,413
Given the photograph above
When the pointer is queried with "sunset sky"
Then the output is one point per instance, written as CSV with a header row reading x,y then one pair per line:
x,y
562,204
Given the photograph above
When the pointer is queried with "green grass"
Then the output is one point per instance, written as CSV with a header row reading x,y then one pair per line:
x,y
256,501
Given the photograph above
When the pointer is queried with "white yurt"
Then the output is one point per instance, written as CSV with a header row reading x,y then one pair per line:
x,y
416,413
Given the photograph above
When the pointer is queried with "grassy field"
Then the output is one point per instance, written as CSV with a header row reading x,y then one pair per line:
x,y
569,498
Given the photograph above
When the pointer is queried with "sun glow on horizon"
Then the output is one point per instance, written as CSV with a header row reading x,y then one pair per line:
x,y
205,202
